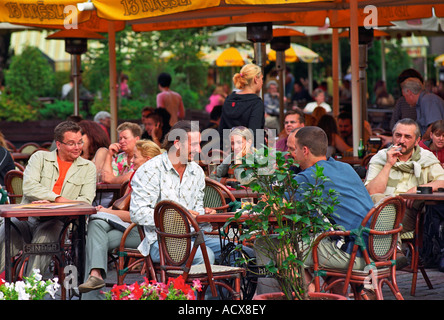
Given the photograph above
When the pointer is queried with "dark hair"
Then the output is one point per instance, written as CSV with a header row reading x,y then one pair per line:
x,y
328,124
165,115
345,115
408,122
409,73
297,111
97,137
156,117
184,126
437,126
216,113
314,138
65,126
164,79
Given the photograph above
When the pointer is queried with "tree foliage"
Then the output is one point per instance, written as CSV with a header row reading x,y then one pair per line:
x,y
29,75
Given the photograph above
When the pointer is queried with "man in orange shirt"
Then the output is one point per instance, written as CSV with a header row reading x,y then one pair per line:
x,y
57,176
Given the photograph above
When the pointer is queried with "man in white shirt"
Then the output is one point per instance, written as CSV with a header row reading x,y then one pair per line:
x,y
174,176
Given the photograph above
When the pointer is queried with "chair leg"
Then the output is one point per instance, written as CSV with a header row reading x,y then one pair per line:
x,y
415,266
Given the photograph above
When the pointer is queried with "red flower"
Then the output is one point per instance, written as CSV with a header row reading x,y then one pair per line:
x,y
136,292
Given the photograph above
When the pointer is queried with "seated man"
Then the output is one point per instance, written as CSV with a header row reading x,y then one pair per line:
x,y
308,147
173,175
57,176
293,119
402,168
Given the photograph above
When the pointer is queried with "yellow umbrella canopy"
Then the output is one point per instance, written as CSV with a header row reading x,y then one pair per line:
x,y
439,60
230,57
296,53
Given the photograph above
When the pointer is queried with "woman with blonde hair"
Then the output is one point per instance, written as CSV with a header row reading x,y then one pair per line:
x,y
243,107
106,228
241,144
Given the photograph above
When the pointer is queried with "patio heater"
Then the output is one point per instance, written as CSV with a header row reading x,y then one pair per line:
x,y
365,41
76,43
260,33
280,44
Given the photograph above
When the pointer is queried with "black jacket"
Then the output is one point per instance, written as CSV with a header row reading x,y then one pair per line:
x,y
242,110
6,164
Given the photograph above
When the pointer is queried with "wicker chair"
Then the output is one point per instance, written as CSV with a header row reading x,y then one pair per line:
x,y
380,256
14,185
29,148
128,259
179,238
215,195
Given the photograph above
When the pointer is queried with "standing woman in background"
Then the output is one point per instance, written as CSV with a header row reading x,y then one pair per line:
x,y
243,107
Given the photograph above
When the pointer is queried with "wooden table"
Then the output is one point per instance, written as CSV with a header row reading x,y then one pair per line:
x,y
18,156
350,160
428,199
245,193
75,211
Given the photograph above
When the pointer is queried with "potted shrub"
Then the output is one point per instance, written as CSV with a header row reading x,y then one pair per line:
x,y
284,222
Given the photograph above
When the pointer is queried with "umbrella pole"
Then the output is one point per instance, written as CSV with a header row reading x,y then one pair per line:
x,y
112,79
354,52
75,69
335,63
259,57
280,66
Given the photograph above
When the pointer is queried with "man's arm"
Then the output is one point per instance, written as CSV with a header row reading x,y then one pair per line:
x,y
33,189
378,184
377,175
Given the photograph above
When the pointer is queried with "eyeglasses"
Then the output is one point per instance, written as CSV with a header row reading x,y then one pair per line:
x,y
72,144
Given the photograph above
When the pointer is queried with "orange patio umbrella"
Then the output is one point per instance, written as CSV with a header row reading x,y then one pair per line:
x,y
180,11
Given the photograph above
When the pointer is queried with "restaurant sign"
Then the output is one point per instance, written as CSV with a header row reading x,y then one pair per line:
x,y
49,12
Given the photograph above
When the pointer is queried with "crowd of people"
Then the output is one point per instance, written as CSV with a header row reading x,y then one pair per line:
x,y
160,164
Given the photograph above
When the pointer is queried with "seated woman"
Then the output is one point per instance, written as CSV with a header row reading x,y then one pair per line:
x,y
241,144
95,142
335,142
116,168
436,142
104,237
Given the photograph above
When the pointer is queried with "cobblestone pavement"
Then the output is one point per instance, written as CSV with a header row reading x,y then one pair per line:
x,y
404,280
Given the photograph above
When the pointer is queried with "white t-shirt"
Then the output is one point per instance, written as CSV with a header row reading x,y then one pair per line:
x,y
312,105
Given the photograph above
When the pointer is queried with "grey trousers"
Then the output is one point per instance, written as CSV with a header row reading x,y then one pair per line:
x,y
101,239
32,230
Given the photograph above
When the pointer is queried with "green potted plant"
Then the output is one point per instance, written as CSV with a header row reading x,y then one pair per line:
x,y
285,220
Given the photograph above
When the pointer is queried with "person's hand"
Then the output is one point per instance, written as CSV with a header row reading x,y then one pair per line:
x,y
210,211
41,201
194,213
157,131
393,153
114,148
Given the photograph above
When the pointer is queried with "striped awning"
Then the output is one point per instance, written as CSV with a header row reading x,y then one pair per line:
x,y
54,49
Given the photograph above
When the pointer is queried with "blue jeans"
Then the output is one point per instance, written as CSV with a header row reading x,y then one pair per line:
x,y
213,250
